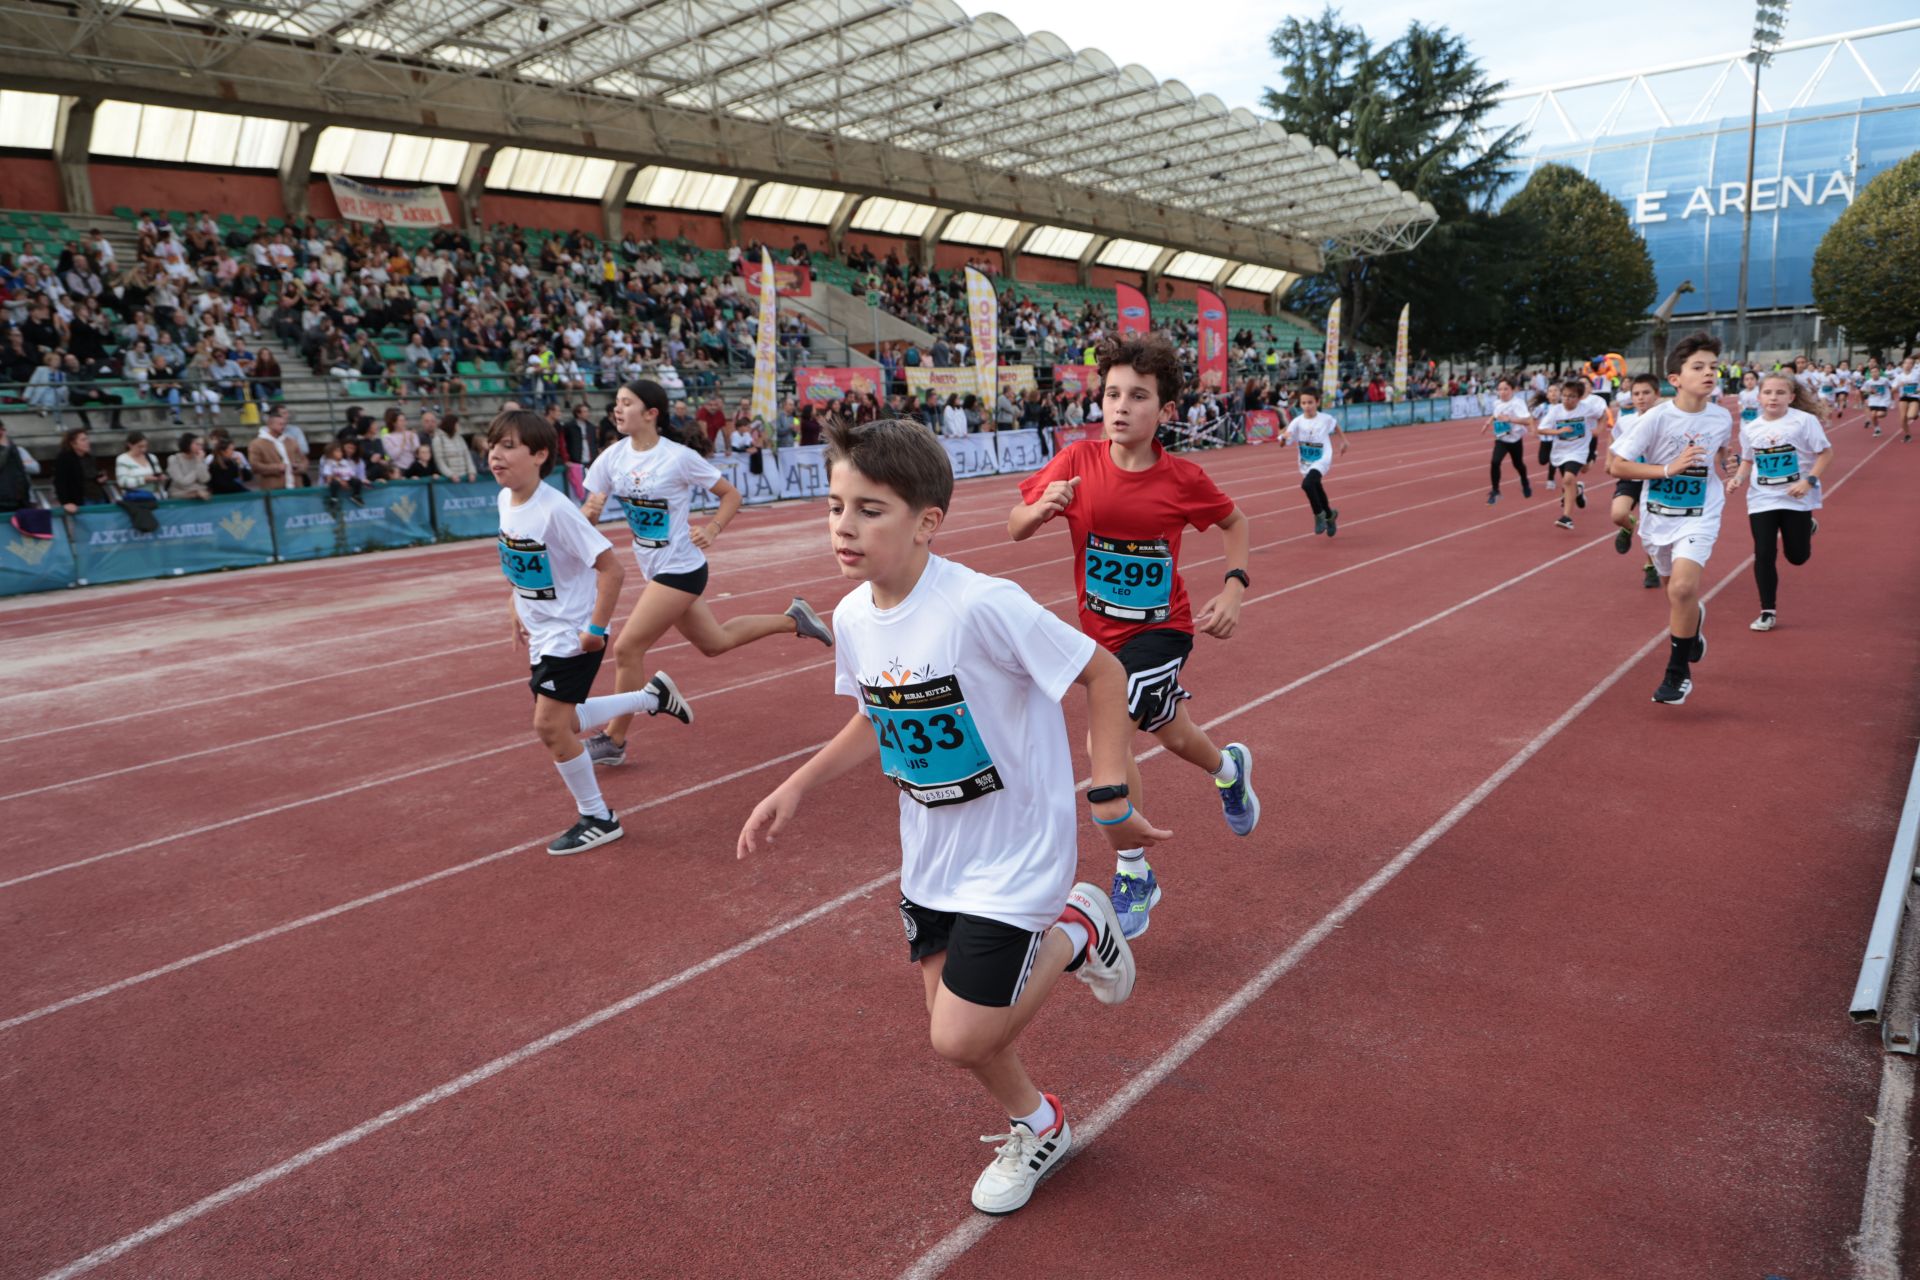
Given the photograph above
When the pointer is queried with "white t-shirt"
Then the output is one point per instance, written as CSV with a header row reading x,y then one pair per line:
x,y
1908,380
655,488
1623,422
1511,419
1782,451
1749,403
547,550
1879,389
1691,501
1314,438
1582,421
962,682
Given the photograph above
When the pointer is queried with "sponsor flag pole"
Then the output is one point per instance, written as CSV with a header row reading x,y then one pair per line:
x,y
983,308
765,347
1400,356
1211,312
1330,357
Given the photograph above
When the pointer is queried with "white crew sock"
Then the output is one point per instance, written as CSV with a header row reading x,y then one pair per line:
x,y
1132,862
1041,1120
595,712
577,773
1228,773
1076,935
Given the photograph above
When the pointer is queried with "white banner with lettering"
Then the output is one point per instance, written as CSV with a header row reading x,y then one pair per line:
x,y
395,206
800,470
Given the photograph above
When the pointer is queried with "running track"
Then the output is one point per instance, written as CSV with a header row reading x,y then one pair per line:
x,y
1520,975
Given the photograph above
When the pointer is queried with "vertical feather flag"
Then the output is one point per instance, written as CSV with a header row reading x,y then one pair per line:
x,y
983,309
1330,357
1400,356
765,349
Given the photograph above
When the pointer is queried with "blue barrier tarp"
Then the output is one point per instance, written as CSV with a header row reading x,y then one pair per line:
x,y
226,532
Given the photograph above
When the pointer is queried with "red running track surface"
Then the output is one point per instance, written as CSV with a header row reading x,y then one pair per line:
x,y
1521,975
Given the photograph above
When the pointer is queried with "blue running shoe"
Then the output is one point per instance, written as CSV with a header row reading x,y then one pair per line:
x,y
1133,897
1241,806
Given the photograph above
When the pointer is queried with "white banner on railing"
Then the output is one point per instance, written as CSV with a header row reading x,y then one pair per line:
x,y
972,455
395,206
1018,450
803,471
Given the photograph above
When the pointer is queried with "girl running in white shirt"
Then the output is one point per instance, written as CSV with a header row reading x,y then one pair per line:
x,y
1785,451
655,478
1509,425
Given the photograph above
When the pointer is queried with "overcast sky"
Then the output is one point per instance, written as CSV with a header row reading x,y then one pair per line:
x,y
1220,47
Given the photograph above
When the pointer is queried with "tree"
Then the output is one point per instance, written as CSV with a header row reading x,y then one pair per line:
x,y
1413,112
1866,272
1582,279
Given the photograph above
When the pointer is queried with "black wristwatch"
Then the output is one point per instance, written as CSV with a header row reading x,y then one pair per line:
x,y
1240,574
1100,795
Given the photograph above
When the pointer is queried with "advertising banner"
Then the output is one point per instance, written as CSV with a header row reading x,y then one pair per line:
x,y
1263,425
1018,450
398,513
1076,379
227,532
766,346
972,455
35,564
395,206
983,311
1330,357
466,509
803,471
829,386
1134,312
1212,356
1064,436
1400,356
1015,378
789,279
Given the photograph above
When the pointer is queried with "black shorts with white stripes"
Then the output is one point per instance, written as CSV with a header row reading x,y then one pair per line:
x,y
988,961
1153,660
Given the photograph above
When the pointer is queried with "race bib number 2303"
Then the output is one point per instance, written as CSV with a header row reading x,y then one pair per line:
x,y
929,744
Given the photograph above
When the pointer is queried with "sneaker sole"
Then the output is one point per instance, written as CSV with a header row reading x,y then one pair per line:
x,y
807,623
1110,919
1700,636
605,837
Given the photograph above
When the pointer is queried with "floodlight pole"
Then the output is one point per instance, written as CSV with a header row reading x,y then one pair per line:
x,y
1769,18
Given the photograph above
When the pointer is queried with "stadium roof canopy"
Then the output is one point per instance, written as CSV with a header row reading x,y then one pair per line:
x,y
912,100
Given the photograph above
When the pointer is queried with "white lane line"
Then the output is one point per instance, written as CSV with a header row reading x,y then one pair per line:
x,y
460,1084
227,948
969,1233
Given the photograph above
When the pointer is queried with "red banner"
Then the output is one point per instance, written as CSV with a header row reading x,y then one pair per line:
x,y
1262,425
830,386
1136,316
1213,339
1064,436
1075,378
789,281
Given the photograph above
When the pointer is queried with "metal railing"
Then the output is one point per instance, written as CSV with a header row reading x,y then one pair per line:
x,y
1883,939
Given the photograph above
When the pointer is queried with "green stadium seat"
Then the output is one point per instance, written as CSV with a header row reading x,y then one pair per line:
x,y
123,213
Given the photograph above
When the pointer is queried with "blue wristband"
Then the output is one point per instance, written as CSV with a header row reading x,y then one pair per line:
x,y
1102,822
593,630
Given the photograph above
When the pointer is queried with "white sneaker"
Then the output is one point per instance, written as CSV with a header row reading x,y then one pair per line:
x,y
1765,622
1024,1158
1108,967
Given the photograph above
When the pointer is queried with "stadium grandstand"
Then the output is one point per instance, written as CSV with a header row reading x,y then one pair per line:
x,y
171,176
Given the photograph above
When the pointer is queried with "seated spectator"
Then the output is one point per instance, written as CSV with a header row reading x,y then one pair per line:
x,y
189,474
278,461
421,468
396,441
76,480
136,473
226,469
47,389
84,387
267,375
452,460
343,472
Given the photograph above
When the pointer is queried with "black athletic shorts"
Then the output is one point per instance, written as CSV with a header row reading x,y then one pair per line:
x,y
566,679
1628,489
988,961
1152,661
1571,468
694,583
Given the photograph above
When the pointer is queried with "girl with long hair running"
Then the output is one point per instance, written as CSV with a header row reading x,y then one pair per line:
x,y
655,477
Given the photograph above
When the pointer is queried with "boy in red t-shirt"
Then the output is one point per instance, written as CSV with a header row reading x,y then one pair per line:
x,y
1127,501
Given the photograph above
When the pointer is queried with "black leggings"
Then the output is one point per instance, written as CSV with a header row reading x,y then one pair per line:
x,y
1514,449
1316,495
1770,528
1546,456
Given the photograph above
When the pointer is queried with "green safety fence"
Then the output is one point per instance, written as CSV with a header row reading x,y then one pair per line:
x,y
99,544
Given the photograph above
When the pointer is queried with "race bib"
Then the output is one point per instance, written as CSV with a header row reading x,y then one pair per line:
x,y
526,565
1778,465
1576,428
928,743
1681,495
1130,579
1312,452
1749,414
650,520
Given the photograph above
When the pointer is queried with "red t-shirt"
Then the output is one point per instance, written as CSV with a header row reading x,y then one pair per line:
x,y
1126,526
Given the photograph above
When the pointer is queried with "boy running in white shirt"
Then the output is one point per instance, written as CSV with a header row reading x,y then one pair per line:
x,y
1785,451
1749,396
1315,433
956,679
1569,424
566,581
1670,447
1644,392
1878,390
655,478
1509,425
